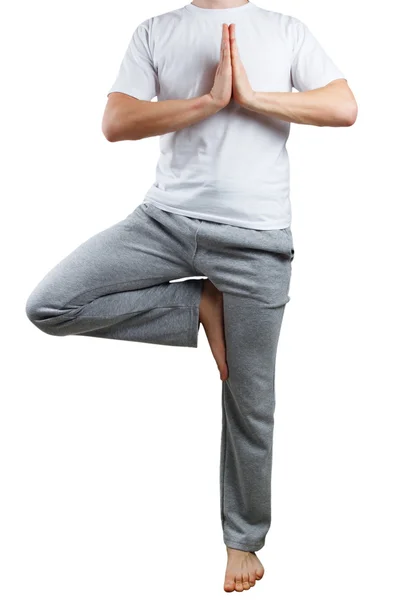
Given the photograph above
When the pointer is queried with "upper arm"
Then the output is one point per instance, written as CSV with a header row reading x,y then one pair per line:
x,y
311,66
117,99
137,75
135,82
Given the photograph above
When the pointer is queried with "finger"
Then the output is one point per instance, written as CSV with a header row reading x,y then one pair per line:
x,y
221,54
226,45
233,44
225,32
224,41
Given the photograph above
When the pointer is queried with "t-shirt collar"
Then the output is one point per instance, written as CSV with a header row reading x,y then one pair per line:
x,y
218,12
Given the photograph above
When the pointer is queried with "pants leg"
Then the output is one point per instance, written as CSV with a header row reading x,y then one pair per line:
x,y
252,268
117,284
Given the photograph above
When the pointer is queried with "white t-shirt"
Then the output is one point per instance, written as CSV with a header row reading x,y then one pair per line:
x,y
231,167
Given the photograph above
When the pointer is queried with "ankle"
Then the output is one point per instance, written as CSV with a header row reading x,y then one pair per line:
x,y
237,551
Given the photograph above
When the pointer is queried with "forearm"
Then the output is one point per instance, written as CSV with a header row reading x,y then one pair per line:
x,y
127,121
321,107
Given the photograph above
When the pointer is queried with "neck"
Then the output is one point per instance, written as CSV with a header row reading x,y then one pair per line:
x,y
218,4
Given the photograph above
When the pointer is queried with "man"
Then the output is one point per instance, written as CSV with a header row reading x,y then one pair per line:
x,y
219,208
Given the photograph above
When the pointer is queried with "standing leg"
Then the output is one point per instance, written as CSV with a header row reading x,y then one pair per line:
x,y
117,283
248,403
252,268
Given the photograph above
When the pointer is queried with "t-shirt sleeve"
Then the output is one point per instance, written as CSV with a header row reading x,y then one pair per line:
x,y
311,66
137,75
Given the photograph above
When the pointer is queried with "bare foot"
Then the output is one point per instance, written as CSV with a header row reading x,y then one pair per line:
x,y
242,571
212,319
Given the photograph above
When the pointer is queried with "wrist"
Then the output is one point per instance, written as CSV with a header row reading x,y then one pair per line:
x,y
252,102
211,105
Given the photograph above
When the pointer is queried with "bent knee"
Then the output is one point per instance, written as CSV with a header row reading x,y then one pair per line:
x,y
44,315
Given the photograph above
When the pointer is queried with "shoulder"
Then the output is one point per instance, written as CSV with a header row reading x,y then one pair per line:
x,y
285,26
282,21
158,28
169,18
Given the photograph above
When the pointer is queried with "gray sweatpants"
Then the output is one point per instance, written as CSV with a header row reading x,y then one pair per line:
x,y
117,285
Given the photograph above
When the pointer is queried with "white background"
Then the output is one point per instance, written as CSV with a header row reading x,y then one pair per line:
x,y
110,449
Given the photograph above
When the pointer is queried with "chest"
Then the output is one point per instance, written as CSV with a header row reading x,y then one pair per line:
x,y
186,60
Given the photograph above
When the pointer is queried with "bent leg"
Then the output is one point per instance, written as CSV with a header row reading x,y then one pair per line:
x,y
117,284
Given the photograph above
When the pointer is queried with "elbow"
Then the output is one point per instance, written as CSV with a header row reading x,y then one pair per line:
x,y
114,129
109,133
113,133
347,115
110,129
109,126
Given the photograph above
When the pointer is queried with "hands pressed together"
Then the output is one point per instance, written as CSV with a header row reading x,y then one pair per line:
x,y
231,79
127,118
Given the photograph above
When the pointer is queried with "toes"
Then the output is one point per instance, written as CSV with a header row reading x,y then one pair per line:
x,y
246,582
239,584
252,579
229,585
259,573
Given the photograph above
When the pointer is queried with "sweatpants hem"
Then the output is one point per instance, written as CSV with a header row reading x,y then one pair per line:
x,y
193,331
247,547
